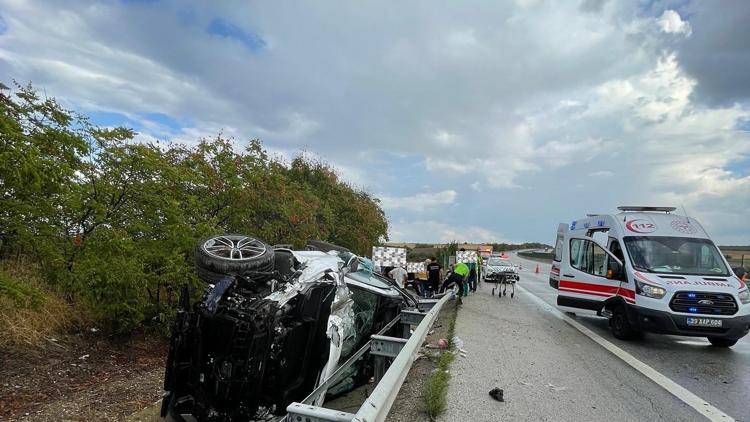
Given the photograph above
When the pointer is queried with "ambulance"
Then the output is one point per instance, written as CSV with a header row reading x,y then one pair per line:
x,y
647,269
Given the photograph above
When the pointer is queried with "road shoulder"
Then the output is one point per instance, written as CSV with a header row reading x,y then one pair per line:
x,y
547,369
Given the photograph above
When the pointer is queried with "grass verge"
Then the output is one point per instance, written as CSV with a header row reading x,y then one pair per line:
x,y
30,312
436,389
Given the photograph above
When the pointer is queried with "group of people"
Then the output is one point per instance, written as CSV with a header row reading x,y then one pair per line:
x,y
464,275
433,271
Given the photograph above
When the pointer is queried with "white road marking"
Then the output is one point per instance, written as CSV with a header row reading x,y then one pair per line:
x,y
701,406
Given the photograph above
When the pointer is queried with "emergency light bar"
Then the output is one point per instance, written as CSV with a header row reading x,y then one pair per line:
x,y
632,208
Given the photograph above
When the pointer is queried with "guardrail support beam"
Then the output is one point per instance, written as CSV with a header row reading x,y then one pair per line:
x,y
382,349
298,412
386,346
409,318
427,304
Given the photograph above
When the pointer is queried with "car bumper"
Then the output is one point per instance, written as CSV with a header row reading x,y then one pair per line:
x,y
650,320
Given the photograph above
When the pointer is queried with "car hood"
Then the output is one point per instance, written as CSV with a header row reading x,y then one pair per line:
x,y
678,282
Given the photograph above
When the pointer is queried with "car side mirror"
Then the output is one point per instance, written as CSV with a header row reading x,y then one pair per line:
x,y
614,270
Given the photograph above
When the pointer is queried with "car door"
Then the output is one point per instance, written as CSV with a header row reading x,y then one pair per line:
x,y
583,278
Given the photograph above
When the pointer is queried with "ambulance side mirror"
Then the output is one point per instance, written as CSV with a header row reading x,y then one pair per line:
x,y
614,270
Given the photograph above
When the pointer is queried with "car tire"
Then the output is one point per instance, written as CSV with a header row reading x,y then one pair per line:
x,y
232,254
722,342
620,325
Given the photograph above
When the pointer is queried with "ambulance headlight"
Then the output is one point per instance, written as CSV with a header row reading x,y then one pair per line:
x,y
744,296
648,290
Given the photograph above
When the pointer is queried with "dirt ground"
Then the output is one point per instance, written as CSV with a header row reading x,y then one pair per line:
x,y
90,378
82,379
409,405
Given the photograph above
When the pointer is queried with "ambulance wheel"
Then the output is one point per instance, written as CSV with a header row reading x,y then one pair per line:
x,y
722,342
620,325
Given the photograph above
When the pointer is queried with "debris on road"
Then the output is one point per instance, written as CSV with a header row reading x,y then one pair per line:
x,y
497,394
458,342
555,388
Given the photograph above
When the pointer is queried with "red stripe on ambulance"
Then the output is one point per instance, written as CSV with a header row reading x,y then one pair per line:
x,y
597,290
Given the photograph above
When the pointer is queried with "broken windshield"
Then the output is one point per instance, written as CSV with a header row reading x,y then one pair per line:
x,y
675,255
369,278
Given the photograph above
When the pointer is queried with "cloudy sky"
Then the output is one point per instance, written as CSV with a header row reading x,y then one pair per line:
x,y
471,120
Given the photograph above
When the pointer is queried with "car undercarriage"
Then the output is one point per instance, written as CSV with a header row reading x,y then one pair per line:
x,y
270,326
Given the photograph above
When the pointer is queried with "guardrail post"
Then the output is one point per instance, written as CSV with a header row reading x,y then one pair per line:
x,y
378,367
376,406
409,318
298,412
426,304
386,346
382,348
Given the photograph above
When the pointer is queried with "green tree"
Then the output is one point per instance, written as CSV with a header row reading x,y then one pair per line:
x,y
113,222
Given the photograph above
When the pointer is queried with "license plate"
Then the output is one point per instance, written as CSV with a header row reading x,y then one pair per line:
x,y
704,322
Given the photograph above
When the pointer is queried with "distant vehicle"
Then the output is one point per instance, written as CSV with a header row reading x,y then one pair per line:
x,y
271,324
647,269
500,269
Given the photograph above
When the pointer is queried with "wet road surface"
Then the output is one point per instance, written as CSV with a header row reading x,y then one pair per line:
x,y
551,371
719,376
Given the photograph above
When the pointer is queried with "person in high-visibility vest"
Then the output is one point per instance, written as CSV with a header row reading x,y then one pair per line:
x,y
459,274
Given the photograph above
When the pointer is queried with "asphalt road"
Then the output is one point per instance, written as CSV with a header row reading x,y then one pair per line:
x,y
551,371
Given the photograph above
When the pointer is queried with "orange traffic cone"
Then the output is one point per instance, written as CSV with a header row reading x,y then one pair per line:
x,y
537,269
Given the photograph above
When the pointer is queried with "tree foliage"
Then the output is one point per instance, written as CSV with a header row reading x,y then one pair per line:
x,y
113,222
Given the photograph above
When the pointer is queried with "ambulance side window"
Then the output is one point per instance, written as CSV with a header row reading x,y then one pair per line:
x,y
588,257
600,260
616,250
576,253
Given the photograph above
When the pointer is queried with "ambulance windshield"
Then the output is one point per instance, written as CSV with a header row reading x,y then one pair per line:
x,y
675,255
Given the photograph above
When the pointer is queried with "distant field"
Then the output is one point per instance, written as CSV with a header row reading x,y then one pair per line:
x,y
737,255
538,256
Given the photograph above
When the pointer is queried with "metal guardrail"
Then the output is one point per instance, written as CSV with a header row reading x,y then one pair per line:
x,y
403,351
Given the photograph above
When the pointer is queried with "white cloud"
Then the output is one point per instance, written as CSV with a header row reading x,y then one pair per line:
x,y
661,93
439,232
419,202
671,23
536,96
448,140
601,173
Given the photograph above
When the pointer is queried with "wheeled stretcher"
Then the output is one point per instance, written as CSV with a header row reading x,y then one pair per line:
x,y
502,280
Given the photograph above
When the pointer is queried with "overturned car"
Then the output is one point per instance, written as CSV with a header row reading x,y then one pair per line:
x,y
272,324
